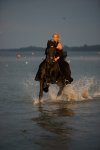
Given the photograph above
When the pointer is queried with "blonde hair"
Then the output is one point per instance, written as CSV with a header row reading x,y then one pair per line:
x,y
55,33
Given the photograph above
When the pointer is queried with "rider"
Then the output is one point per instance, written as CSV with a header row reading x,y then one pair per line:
x,y
59,57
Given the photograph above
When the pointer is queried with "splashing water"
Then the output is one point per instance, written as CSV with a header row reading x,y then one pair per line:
x,y
84,88
79,90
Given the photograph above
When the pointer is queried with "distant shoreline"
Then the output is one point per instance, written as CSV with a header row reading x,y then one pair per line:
x,y
66,48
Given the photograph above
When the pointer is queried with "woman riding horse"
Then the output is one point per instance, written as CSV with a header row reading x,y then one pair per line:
x,y
58,57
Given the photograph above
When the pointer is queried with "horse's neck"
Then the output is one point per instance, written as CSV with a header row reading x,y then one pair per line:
x,y
51,52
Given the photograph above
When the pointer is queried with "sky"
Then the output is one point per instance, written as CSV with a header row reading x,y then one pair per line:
x,y
32,22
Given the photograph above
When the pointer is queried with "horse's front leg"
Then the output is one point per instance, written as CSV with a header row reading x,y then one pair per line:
x,y
61,87
41,90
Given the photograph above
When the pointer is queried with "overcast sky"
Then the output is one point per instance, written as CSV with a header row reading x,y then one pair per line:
x,y
32,22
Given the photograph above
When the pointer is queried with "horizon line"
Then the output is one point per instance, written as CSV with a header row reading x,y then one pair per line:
x,y
84,45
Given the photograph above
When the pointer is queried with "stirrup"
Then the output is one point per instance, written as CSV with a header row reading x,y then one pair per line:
x,y
67,82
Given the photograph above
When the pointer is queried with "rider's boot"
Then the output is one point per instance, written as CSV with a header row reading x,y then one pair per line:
x,y
71,79
68,81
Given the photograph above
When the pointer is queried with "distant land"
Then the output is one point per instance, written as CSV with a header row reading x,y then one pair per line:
x,y
85,48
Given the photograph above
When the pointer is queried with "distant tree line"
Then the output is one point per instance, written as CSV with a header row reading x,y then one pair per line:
x,y
66,48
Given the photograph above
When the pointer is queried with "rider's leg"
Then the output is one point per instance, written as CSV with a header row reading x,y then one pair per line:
x,y
68,73
65,68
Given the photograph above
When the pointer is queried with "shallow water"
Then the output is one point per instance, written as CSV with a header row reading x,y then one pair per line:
x,y
70,123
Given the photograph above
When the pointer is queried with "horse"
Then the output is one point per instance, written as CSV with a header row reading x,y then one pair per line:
x,y
50,73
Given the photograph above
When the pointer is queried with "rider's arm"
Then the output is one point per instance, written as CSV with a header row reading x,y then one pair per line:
x,y
59,51
59,46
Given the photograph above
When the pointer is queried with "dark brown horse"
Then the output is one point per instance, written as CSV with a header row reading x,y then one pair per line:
x,y
50,73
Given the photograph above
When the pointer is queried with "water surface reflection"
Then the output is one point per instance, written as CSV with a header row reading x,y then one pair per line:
x,y
54,120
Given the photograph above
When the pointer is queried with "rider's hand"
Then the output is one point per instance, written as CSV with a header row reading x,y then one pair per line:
x,y
56,58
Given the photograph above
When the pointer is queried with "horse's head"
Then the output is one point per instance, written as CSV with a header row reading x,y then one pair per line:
x,y
51,54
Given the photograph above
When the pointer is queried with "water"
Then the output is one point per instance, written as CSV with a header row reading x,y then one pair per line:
x,y
69,123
